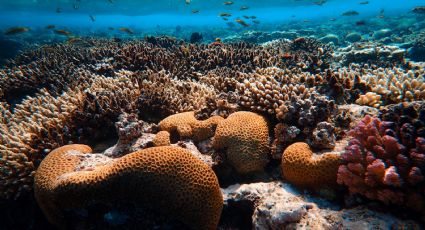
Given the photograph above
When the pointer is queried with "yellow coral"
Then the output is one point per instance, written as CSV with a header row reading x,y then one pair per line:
x,y
370,99
303,168
166,179
188,126
162,138
245,137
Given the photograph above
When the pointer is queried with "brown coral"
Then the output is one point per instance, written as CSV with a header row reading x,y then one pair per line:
x,y
162,138
187,126
166,179
303,168
245,136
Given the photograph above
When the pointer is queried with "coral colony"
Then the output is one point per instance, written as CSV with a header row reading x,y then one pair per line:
x,y
160,132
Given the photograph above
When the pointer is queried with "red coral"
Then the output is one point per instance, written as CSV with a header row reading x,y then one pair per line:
x,y
378,166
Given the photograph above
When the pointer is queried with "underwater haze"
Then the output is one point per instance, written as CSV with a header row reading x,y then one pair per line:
x,y
212,114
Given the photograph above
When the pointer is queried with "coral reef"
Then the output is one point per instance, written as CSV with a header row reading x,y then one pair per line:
x,y
302,167
245,138
384,161
72,178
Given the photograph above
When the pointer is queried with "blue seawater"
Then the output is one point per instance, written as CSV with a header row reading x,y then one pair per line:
x,y
94,17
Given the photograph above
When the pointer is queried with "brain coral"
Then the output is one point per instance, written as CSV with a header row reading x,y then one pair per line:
x,y
245,137
187,126
165,179
385,161
162,138
303,168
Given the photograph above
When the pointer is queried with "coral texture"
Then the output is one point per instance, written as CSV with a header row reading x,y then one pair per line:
x,y
302,167
187,126
385,161
162,138
166,179
245,138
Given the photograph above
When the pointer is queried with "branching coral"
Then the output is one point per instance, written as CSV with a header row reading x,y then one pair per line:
x,y
302,167
168,180
381,164
245,138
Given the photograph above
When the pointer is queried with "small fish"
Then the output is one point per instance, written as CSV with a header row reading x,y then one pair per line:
x,y
126,30
244,8
246,17
332,19
187,2
364,3
72,40
253,17
360,23
256,21
50,27
382,11
225,19
225,14
76,6
320,2
228,3
110,28
381,16
242,22
92,18
195,11
16,30
111,1
419,10
306,21
58,10
62,32
350,13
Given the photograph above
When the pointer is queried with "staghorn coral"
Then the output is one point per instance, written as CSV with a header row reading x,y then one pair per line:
x,y
191,195
245,138
162,138
187,126
382,164
302,167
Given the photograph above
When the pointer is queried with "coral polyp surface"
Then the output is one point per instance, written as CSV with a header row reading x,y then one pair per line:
x,y
302,167
245,138
187,126
168,180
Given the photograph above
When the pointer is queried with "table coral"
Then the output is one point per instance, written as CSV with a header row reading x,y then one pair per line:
x,y
245,138
187,126
382,165
302,167
167,179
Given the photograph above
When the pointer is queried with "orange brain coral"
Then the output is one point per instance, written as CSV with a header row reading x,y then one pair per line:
x,y
188,126
166,179
301,167
162,138
245,136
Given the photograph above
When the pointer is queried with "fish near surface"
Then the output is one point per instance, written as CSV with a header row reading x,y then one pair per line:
x,y
16,30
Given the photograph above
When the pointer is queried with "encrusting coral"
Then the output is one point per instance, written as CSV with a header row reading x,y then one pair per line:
x,y
245,138
168,180
385,161
303,168
187,126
